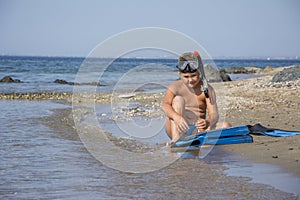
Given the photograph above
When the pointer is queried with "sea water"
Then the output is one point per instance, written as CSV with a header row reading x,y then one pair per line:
x,y
38,74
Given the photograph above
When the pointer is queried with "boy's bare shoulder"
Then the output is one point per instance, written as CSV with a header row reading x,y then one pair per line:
x,y
176,86
176,83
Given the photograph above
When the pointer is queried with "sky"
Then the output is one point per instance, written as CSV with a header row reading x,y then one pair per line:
x,y
231,28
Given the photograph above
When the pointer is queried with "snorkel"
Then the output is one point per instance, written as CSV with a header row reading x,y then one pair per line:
x,y
200,67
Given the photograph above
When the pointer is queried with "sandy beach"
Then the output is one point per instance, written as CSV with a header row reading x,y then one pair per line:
x,y
251,101
276,106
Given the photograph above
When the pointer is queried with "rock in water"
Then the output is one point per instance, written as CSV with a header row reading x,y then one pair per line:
x,y
288,74
8,79
242,70
61,81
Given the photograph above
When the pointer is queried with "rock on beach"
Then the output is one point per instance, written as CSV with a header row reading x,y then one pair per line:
x,y
215,75
287,74
242,70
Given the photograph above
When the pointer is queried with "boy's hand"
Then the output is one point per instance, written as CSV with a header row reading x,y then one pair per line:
x,y
181,125
201,125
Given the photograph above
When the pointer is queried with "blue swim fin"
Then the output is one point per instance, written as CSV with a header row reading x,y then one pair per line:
x,y
232,135
229,140
259,129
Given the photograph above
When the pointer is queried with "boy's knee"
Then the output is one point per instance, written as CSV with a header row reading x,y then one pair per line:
x,y
178,102
226,125
221,125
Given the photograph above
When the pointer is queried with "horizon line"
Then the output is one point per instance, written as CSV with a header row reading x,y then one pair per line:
x,y
160,57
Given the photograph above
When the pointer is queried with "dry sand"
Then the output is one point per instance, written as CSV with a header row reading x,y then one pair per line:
x,y
275,106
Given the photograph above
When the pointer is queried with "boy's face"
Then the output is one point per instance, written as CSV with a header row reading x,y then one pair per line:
x,y
190,79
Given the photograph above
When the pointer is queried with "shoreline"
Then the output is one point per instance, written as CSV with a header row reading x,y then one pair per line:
x,y
243,102
227,160
242,186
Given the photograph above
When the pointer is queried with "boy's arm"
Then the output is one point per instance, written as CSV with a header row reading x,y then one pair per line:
x,y
212,109
167,105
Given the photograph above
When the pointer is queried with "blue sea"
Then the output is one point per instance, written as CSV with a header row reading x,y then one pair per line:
x,y
37,74
43,158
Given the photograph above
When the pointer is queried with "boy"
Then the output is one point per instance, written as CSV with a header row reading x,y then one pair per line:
x,y
185,103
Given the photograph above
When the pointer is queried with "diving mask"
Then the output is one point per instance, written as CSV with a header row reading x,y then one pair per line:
x,y
187,66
